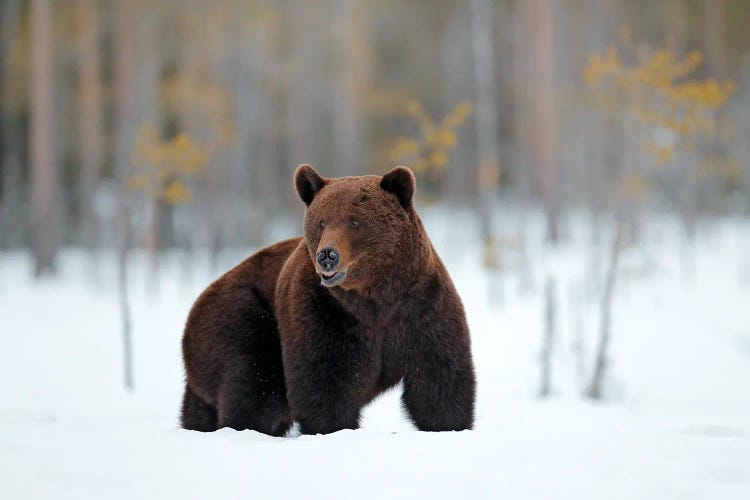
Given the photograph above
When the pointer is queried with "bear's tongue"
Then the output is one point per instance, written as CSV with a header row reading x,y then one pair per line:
x,y
328,275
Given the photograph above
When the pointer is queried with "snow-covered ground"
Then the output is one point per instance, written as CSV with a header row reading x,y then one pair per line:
x,y
675,424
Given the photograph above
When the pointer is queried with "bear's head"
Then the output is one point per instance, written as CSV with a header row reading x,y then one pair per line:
x,y
358,228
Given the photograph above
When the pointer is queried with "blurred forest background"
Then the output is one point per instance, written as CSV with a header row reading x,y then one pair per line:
x,y
179,123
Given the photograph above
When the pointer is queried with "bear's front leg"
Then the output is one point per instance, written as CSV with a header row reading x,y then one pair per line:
x,y
327,372
439,385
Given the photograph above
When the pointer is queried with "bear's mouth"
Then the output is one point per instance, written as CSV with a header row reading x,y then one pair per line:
x,y
331,279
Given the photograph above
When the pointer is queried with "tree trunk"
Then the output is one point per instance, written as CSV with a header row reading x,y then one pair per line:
x,y
42,146
676,25
125,134
594,390
145,103
353,63
90,116
123,234
488,171
714,31
251,153
545,138
305,90
545,387
11,193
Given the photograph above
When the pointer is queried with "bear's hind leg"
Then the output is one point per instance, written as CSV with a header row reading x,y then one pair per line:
x,y
243,405
197,415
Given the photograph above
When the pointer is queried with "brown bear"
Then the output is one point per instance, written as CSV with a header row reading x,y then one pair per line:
x,y
311,329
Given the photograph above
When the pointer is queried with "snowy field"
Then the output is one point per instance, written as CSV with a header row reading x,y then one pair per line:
x,y
675,422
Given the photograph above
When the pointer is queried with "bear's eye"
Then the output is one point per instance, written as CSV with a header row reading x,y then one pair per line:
x,y
354,223
322,225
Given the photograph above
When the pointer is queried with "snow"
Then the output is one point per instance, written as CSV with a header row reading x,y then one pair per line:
x,y
675,423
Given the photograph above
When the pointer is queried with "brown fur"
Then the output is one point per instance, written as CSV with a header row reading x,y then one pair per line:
x,y
395,315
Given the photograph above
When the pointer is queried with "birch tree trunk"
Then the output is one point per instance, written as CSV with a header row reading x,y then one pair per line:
x,y
145,103
125,134
349,80
594,390
714,32
545,145
11,210
676,25
42,146
90,117
305,89
550,313
488,172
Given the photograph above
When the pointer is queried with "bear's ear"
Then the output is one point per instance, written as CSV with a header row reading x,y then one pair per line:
x,y
308,182
400,181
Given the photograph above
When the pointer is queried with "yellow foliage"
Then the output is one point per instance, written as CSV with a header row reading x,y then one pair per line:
x,y
176,192
404,146
206,110
431,149
162,168
658,90
662,154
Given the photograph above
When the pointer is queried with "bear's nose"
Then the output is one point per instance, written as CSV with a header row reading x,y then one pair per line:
x,y
328,258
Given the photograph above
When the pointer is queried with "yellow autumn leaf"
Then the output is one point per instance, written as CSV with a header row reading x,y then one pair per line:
x,y
176,192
